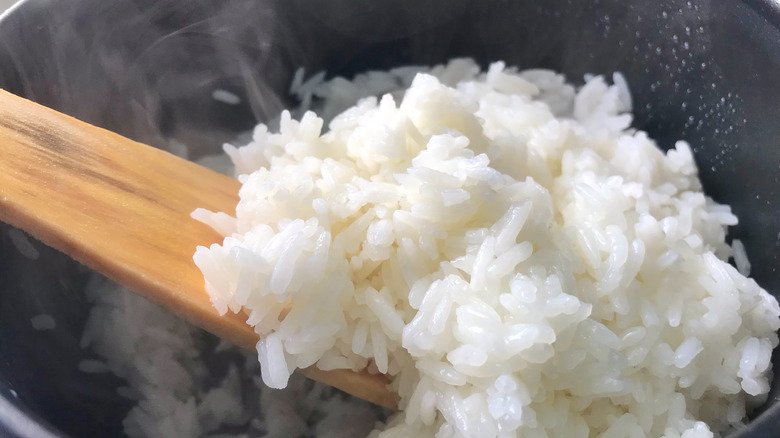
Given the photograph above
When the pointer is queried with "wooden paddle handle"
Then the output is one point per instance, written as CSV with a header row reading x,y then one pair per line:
x,y
123,209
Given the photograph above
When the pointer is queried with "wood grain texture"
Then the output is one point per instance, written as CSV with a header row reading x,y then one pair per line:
x,y
123,209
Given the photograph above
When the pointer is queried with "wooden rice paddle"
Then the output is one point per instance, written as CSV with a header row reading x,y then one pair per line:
x,y
123,209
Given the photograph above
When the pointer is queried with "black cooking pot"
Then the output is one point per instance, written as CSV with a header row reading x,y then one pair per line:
x,y
705,71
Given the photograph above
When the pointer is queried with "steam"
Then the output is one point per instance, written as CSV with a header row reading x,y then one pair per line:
x,y
147,69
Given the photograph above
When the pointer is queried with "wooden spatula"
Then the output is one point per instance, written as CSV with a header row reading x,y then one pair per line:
x,y
123,209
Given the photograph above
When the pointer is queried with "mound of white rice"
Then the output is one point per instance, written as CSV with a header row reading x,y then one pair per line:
x,y
182,383
516,258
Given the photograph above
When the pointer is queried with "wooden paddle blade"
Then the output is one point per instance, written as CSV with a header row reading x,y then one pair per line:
x,y
123,209
117,206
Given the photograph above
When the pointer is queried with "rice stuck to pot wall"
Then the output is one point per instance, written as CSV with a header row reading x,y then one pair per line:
x,y
503,246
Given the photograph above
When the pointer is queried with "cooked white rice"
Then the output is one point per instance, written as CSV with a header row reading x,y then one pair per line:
x,y
740,257
226,97
502,245
185,384
22,243
43,322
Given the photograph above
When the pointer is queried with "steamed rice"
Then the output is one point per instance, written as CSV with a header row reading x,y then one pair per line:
x,y
22,243
182,382
43,321
503,246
